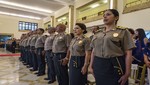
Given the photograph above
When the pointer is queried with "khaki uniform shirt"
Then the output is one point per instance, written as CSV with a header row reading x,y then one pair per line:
x,y
25,42
49,42
112,43
79,45
33,40
29,40
61,43
40,41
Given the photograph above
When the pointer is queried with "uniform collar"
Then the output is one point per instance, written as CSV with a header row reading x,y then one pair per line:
x,y
79,37
104,29
62,33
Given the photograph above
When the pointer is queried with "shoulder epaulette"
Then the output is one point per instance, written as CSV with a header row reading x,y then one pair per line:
x,y
120,27
100,30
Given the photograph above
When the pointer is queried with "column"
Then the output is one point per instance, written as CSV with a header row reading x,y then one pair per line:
x,y
52,21
71,18
113,4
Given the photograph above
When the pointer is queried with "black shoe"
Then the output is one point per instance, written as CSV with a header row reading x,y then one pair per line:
x,y
46,79
28,66
36,73
32,70
41,74
51,81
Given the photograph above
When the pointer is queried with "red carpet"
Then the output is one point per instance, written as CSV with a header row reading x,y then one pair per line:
x,y
13,54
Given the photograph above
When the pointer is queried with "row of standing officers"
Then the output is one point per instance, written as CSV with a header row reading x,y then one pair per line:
x,y
56,49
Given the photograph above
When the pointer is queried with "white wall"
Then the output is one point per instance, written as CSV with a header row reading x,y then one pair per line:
x,y
135,19
9,24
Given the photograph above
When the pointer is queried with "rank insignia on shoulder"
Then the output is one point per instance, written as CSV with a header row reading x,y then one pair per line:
x,y
120,27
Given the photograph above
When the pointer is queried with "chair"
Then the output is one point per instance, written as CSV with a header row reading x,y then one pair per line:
x,y
135,69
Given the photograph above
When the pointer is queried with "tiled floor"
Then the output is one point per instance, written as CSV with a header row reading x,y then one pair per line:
x,y
13,72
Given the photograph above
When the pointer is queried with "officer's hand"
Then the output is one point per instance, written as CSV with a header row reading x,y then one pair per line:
x,y
84,70
64,61
43,53
147,64
123,79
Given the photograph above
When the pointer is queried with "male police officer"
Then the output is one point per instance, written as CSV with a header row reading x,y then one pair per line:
x,y
49,55
60,50
39,45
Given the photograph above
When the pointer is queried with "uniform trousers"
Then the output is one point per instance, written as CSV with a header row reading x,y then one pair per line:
x,y
34,58
107,71
41,61
30,57
75,67
61,71
50,65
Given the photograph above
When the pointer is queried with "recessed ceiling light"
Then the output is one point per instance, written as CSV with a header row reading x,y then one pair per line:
x,y
19,15
25,6
94,5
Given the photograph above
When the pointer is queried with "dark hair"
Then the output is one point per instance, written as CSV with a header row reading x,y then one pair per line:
x,y
82,26
115,13
148,44
141,34
97,27
41,29
131,31
72,35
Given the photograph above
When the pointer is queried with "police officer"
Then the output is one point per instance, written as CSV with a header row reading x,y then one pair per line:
x,y
49,55
80,55
33,53
60,50
39,45
28,49
112,52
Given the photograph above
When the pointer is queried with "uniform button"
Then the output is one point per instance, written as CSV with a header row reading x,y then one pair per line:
x,y
118,70
119,73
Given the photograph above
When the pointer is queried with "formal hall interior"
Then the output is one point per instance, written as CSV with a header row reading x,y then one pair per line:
x,y
26,25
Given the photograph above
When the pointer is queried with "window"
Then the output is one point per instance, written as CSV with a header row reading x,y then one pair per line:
x,y
23,26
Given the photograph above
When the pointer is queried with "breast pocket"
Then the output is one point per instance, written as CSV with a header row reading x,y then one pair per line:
x,y
116,41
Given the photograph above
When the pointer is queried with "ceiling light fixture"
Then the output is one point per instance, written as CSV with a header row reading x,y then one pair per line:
x,y
94,5
19,15
105,1
25,6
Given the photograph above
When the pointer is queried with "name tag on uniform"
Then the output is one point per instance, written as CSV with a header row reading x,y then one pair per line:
x,y
115,35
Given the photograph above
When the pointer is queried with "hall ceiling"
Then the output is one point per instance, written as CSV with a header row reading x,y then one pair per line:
x,y
35,8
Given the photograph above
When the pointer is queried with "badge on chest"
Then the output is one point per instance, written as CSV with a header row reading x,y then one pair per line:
x,y
80,42
115,35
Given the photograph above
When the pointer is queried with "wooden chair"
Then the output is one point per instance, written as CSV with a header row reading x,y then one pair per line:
x,y
135,69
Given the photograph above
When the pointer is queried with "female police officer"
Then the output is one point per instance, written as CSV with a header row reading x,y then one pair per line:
x,y
111,54
80,53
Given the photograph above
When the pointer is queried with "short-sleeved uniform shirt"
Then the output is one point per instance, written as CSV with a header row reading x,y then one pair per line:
x,y
79,45
33,40
49,42
40,41
61,43
112,43
29,40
